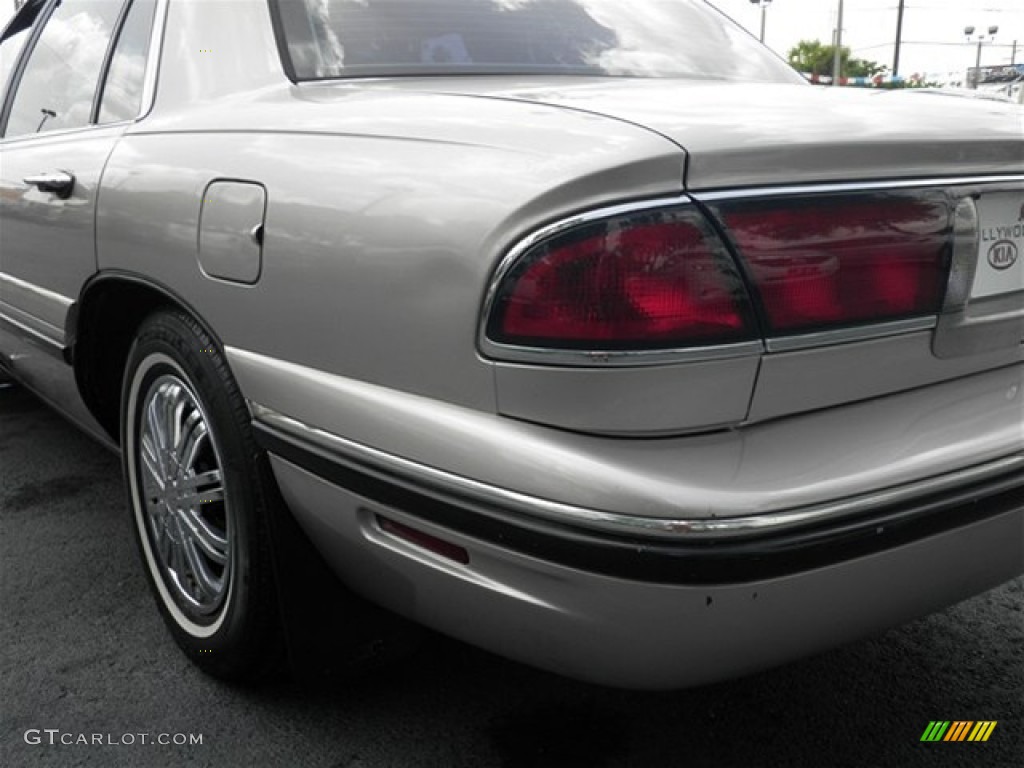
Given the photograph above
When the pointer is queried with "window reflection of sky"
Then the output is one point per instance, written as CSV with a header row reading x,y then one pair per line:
x,y
63,69
645,38
122,92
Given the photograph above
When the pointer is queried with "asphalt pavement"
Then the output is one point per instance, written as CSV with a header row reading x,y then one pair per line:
x,y
89,676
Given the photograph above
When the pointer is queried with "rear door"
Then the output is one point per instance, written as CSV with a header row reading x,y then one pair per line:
x,y
75,81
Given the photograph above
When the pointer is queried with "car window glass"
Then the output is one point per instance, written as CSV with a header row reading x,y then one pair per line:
x,y
14,40
638,38
57,87
122,92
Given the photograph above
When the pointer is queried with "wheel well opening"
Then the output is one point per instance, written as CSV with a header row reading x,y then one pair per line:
x,y
109,315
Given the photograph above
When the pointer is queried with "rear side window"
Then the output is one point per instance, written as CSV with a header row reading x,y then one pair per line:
x,y
122,92
59,82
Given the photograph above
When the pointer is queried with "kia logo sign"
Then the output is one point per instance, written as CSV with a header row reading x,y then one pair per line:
x,y
1003,255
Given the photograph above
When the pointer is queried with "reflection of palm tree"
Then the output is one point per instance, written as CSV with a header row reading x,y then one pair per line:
x,y
47,114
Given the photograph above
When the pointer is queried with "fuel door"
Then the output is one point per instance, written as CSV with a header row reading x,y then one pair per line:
x,y
231,222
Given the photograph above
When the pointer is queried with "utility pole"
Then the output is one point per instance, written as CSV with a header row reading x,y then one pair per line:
x,y
969,33
837,61
764,14
899,39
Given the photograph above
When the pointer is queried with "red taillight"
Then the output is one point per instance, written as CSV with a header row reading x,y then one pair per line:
x,y
840,260
651,280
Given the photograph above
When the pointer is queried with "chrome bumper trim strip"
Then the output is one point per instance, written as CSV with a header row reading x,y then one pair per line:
x,y
418,476
51,346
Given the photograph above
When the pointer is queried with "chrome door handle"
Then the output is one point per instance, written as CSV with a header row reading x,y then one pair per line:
x,y
60,183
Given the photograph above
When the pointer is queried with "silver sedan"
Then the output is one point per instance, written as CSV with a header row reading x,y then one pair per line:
x,y
582,330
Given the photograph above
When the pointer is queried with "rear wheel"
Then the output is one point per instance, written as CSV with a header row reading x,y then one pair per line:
x,y
199,490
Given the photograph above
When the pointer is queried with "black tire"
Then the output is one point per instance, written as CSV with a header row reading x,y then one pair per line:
x,y
200,491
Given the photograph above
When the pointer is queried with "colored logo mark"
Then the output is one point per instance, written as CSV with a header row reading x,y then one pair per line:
x,y
959,730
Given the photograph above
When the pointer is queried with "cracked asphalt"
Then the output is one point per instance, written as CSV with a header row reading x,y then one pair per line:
x,y
84,654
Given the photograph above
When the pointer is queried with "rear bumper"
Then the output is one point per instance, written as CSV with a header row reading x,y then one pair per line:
x,y
654,563
770,546
656,617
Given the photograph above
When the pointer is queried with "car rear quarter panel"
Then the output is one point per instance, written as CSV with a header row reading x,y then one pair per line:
x,y
385,218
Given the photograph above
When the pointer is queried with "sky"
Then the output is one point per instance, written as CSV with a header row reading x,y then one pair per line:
x,y
933,30
933,35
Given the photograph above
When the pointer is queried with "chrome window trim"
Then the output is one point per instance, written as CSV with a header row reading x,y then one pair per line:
x,y
64,132
156,43
431,480
596,358
108,57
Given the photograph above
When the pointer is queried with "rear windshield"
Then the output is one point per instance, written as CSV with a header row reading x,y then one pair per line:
x,y
629,38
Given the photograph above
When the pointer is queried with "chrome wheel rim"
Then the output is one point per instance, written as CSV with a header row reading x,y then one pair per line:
x,y
185,505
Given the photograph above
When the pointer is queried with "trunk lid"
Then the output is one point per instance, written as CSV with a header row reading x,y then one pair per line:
x,y
744,134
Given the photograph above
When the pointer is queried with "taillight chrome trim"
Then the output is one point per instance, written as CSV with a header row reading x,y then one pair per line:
x,y
595,358
961,270
509,353
717,196
772,343
970,326
850,335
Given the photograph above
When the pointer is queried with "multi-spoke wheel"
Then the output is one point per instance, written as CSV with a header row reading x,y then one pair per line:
x,y
186,511
199,491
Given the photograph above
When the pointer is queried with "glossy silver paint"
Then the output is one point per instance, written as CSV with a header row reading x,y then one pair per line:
x,y
762,135
231,223
642,635
390,207
699,525
783,464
